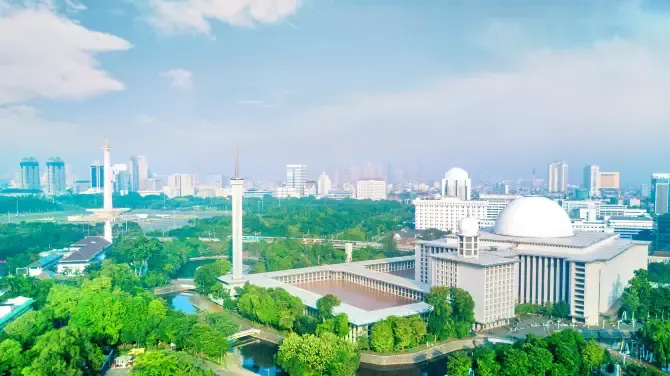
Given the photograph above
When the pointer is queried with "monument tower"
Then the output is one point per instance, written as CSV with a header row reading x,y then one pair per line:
x,y
107,213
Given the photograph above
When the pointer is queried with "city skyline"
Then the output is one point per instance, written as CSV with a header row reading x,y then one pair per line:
x,y
158,82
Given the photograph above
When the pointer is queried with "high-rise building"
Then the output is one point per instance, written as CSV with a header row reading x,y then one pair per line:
x,y
660,192
142,171
122,178
591,180
133,174
97,175
609,180
30,173
558,177
644,190
56,183
310,188
296,175
663,233
69,176
496,203
323,185
456,183
181,185
373,189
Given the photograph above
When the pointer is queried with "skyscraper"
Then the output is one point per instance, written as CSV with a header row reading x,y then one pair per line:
x,y
558,177
133,174
296,175
56,183
30,173
142,171
323,185
609,180
122,180
97,174
660,192
591,180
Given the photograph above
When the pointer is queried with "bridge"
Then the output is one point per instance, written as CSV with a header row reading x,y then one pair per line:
x,y
176,286
244,333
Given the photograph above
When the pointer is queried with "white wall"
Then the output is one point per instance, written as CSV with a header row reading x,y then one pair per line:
x,y
473,280
618,271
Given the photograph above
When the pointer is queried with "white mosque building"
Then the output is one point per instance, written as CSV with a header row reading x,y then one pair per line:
x,y
552,263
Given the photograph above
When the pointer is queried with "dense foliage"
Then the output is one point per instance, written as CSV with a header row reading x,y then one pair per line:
x,y
157,363
27,204
77,324
205,278
274,307
563,353
560,309
311,355
309,217
453,313
156,262
659,272
397,334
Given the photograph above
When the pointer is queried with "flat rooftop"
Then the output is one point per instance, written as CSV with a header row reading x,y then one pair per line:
x,y
359,296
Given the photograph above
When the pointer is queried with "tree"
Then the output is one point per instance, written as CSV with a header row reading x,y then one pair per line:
x,y
540,360
11,356
27,328
485,363
159,363
561,310
338,325
515,363
440,322
593,355
326,354
458,364
325,306
381,338
65,351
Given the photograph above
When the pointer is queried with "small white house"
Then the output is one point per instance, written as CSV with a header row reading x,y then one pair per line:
x,y
88,250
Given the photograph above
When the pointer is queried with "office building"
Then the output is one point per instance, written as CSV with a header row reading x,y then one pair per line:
x,y
446,213
591,180
285,192
456,183
81,186
597,225
296,175
180,185
122,178
142,171
609,180
371,189
30,174
558,177
644,190
663,233
133,174
341,194
660,192
323,185
582,194
56,183
587,270
152,184
630,227
496,203
501,188
97,176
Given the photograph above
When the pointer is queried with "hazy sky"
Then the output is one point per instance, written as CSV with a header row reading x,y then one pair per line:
x,y
495,87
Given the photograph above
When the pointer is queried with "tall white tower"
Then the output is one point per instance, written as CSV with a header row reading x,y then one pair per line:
x,y
237,186
107,213
468,238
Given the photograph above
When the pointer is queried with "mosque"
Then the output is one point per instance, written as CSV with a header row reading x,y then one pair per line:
x,y
531,255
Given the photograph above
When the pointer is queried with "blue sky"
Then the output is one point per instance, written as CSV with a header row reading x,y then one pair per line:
x,y
495,88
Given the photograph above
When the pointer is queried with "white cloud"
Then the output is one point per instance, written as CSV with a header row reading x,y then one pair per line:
x,y
196,15
145,119
179,78
46,55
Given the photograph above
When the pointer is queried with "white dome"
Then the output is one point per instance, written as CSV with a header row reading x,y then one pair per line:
x,y
456,173
534,217
468,227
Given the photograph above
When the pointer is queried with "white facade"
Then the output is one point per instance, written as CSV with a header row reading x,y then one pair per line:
x,y
323,185
285,192
591,226
496,203
296,175
373,189
592,180
237,187
56,182
558,177
142,171
310,188
180,185
446,213
456,183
